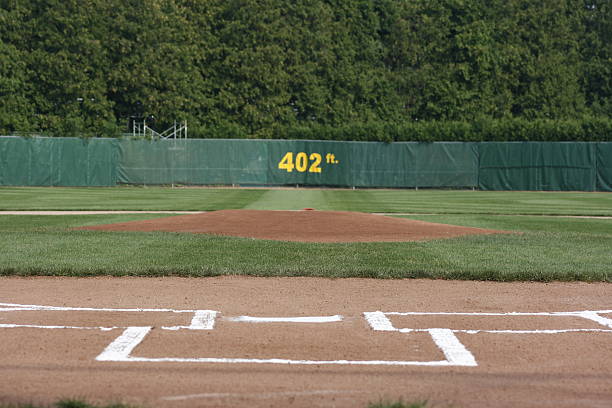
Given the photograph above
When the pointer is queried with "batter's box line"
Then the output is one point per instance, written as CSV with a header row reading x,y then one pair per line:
x,y
455,352
379,321
121,348
203,318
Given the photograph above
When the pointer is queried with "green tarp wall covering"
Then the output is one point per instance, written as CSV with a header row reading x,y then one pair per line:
x,y
58,161
287,162
604,166
193,161
584,166
537,166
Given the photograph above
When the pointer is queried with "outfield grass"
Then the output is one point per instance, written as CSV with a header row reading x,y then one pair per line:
x,y
542,248
392,201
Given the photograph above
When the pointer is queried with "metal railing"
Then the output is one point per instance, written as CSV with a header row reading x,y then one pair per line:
x,y
177,131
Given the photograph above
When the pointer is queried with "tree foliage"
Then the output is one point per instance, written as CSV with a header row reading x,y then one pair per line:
x,y
322,68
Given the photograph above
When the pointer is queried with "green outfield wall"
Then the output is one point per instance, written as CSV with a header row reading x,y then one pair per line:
x,y
58,161
38,161
538,166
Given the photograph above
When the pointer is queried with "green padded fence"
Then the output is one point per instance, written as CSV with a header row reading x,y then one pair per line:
x,y
604,166
488,166
537,166
306,163
193,161
41,161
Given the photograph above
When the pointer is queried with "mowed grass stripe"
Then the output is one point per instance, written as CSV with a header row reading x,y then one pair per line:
x,y
283,199
392,201
39,223
560,224
125,198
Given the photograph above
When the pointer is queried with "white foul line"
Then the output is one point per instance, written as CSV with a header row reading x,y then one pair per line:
x,y
305,319
264,395
35,326
543,331
12,307
380,322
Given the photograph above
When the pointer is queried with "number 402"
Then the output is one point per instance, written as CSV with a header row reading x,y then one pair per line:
x,y
302,162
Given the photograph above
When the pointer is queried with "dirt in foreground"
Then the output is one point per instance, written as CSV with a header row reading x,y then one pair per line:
x,y
302,226
236,356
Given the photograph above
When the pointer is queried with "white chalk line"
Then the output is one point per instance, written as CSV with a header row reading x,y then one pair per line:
x,y
263,395
442,363
13,307
497,314
123,345
121,348
476,331
34,326
202,319
455,352
17,307
94,212
604,321
379,321
305,319
174,328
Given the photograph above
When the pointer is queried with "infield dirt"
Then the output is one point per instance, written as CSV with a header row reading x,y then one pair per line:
x,y
302,226
537,359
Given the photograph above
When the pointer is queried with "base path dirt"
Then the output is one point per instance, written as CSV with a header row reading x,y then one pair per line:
x,y
303,226
304,342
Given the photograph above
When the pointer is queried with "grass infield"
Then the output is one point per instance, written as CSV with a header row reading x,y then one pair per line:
x,y
544,248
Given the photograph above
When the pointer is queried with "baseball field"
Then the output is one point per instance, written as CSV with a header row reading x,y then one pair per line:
x,y
180,297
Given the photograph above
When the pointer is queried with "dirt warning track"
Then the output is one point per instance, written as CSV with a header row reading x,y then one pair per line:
x,y
304,342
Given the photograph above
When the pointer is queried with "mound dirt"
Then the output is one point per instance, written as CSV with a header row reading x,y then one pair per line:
x,y
299,226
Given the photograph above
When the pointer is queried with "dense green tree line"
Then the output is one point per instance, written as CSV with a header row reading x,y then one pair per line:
x,y
339,69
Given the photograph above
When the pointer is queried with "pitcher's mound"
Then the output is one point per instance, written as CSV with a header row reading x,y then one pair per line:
x,y
301,226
